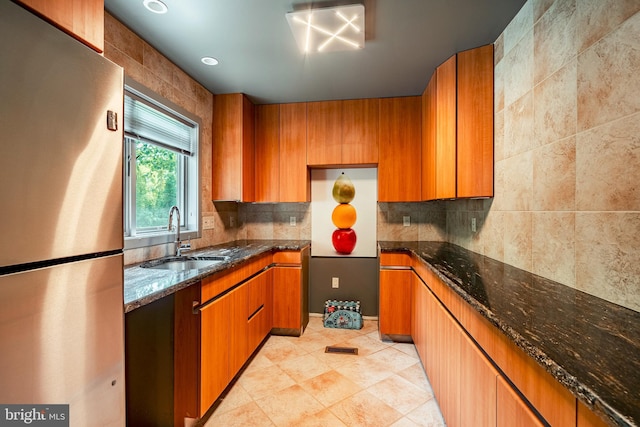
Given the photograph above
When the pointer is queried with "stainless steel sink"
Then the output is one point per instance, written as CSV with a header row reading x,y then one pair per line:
x,y
184,263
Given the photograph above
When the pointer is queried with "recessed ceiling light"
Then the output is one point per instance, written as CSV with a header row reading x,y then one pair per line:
x,y
208,60
155,6
328,29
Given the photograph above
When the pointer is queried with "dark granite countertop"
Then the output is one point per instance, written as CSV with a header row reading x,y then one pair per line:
x,y
144,285
589,345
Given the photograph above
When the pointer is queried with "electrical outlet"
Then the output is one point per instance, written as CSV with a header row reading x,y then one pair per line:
x,y
292,221
232,221
335,282
473,225
406,220
208,222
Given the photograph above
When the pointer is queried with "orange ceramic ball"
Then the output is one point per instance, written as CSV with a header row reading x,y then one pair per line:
x,y
344,216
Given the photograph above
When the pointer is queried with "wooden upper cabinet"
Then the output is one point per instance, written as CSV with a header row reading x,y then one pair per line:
x,y
281,153
399,150
82,19
360,118
295,183
233,152
324,133
475,123
429,113
446,130
267,163
342,132
459,118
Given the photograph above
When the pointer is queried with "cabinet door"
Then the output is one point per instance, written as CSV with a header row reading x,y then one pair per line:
x,y
295,184
443,344
324,133
446,130
586,418
84,20
395,302
267,164
233,149
399,165
186,347
475,123
360,131
478,385
429,164
214,351
239,349
259,310
287,297
419,320
449,343
511,409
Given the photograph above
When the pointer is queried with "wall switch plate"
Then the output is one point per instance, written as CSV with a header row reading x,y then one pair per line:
x,y
208,222
406,220
335,282
473,225
292,221
232,221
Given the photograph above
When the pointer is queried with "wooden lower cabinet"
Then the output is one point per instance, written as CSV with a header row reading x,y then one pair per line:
x,y
448,348
550,398
183,350
419,312
463,379
586,418
290,293
512,410
396,288
478,385
214,351
396,297
231,329
238,346
480,377
260,309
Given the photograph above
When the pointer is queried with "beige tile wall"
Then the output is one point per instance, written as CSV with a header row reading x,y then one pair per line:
x,y
148,67
567,141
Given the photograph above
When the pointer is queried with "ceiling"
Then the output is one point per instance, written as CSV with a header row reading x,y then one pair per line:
x,y
404,41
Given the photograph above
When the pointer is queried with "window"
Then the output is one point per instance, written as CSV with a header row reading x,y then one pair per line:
x,y
161,170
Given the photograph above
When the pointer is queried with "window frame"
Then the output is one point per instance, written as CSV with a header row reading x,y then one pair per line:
x,y
190,217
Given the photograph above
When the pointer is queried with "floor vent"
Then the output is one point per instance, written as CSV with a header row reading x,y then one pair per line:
x,y
341,350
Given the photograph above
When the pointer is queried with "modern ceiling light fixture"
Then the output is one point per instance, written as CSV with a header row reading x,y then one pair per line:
x,y
328,29
155,6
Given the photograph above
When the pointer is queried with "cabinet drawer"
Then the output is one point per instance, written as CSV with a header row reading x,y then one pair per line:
x,y
223,280
395,259
287,257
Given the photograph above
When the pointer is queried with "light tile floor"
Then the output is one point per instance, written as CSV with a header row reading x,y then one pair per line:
x,y
293,382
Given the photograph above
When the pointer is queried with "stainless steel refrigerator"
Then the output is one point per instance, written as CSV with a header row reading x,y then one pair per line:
x,y
61,240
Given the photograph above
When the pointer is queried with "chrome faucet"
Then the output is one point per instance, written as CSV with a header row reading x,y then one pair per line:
x,y
179,247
